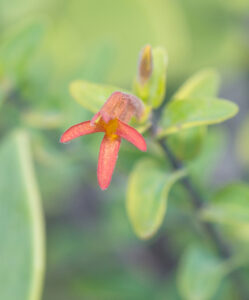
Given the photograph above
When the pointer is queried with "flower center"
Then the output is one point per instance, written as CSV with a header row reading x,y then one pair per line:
x,y
110,127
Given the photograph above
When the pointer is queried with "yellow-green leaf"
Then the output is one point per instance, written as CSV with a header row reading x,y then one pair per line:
x,y
91,95
179,115
202,84
21,222
186,144
147,196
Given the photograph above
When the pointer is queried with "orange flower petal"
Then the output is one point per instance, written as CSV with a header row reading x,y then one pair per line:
x,y
108,155
131,135
80,129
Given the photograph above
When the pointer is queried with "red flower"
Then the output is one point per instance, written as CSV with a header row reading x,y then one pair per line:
x,y
111,119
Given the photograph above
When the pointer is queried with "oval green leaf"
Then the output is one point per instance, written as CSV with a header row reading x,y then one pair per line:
x,y
147,196
179,115
186,144
199,274
202,84
91,95
21,222
230,205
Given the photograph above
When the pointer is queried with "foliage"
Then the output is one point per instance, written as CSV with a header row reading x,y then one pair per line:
x,y
146,237
147,197
22,242
200,274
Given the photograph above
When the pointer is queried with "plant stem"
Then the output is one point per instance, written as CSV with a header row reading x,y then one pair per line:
x,y
198,202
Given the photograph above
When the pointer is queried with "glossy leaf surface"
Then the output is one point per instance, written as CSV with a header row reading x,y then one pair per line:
x,y
21,230
190,113
147,196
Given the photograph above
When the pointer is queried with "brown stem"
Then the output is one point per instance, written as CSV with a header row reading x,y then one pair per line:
x,y
197,201
222,247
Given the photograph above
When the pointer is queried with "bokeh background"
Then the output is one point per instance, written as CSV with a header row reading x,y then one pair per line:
x,y
91,250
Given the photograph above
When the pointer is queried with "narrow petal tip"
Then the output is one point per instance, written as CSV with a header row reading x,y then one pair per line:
x,y
62,139
104,186
143,146
131,135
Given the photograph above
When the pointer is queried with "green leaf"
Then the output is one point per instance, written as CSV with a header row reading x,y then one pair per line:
x,y
20,45
203,84
158,78
21,229
179,115
230,205
199,274
147,196
90,95
187,143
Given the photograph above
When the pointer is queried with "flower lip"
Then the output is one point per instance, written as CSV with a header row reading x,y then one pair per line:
x,y
110,128
120,106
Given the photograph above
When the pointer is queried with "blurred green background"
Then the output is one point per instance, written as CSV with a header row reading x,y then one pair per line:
x,y
91,250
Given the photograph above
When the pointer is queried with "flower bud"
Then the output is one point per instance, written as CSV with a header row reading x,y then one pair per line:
x,y
145,64
150,83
